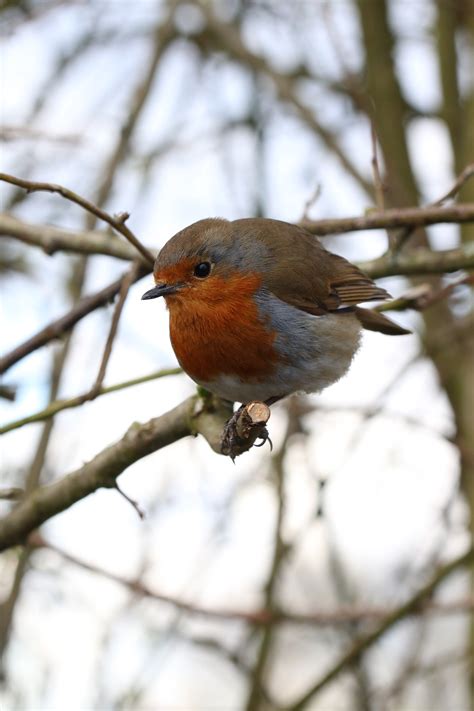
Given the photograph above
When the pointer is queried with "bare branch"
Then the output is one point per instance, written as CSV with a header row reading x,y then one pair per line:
x,y
13,493
420,261
423,296
395,217
229,40
117,223
127,281
310,202
101,471
134,504
378,183
193,416
54,239
65,323
263,617
408,608
466,175
11,133
60,405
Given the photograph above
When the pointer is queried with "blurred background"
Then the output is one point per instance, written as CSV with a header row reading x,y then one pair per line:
x,y
175,111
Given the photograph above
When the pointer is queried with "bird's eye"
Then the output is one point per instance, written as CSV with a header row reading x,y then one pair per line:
x,y
202,270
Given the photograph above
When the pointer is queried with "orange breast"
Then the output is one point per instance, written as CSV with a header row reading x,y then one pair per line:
x,y
216,329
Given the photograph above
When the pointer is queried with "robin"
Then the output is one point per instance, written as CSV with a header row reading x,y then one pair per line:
x,y
259,309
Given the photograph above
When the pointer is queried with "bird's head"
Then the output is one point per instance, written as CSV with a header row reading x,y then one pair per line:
x,y
196,262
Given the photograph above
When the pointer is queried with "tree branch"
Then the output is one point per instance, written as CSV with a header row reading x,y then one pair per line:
x,y
197,415
261,618
408,608
65,323
461,180
420,261
59,405
116,222
423,296
229,41
54,239
127,282
394,217
101,471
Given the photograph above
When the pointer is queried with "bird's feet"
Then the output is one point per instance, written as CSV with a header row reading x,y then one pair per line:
x,y
245,427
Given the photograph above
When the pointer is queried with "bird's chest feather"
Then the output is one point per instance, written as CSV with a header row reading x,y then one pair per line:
x,y
218,330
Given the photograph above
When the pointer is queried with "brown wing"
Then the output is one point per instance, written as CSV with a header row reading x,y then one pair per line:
x,y
345,284
303,273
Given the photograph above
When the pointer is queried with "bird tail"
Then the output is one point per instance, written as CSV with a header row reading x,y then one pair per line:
x,y
375,321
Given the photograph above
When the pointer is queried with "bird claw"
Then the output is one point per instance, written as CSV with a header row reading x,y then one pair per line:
x,y
244,428
265,437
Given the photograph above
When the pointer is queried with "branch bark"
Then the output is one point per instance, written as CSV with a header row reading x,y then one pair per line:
x,y
197,415
116,222
394,217
58,239
101,471
53,239
420,261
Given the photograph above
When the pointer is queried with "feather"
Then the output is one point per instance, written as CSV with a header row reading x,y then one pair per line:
x,y
375,321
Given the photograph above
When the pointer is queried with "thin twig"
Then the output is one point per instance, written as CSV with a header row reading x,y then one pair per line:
x,y
263,617
424,296
310,202
134,504
10,133
466,175
123,293
116,222
378,183
60,405
408,608
229,41
8,392
408,230
62,325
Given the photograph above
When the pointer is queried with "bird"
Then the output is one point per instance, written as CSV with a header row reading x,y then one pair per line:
x,y
259,309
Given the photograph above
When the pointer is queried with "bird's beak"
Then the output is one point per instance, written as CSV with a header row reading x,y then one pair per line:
x,y
162,290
